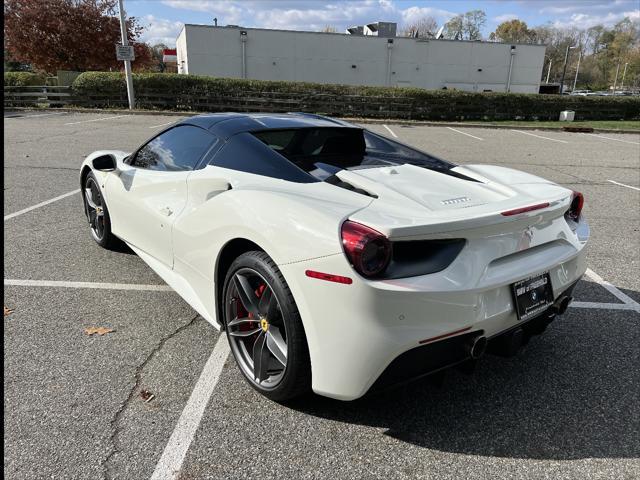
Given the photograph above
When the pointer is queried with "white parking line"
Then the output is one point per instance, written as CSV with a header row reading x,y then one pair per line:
x,y
623,185
467,134
96,120
617,293
605,306
170,463
38,115
41,204
162,125
539,136
390,131
98,285
609,138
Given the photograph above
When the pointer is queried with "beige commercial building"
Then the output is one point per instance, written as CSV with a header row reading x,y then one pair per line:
x,y
358,59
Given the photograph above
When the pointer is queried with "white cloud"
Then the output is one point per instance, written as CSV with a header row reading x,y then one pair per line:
x,y
505,17
587,20
633,15
412,14
160,30
307,14
227,12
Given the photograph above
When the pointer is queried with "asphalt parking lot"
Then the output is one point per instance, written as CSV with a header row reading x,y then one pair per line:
x,y
111,406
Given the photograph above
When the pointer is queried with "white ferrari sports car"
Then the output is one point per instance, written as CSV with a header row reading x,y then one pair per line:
x,y
338,260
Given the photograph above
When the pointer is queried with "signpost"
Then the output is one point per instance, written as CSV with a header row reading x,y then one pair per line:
x,y
125,52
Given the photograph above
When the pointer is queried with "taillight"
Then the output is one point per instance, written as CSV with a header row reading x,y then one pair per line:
x,y
368,251
575,209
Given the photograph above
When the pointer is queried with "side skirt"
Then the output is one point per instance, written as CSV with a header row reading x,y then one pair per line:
x,y
178,283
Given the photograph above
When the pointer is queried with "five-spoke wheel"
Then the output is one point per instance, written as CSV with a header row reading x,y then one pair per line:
x,y
264,328
97,214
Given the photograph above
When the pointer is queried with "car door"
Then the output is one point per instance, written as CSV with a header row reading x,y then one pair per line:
x,y
150,190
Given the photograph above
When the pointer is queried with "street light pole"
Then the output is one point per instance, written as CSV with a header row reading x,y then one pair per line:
x,y
564,69
127,63
615,81
624,72
577,70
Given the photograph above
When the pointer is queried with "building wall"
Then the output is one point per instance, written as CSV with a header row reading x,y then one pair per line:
x,y
358,60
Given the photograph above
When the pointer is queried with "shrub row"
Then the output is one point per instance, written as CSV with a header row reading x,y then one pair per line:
x,y
23,79
201,93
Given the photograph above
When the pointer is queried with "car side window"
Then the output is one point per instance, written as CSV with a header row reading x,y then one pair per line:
x,y
246,153
177,149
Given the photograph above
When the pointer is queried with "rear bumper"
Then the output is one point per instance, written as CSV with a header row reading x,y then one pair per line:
x,y
354,332
433,357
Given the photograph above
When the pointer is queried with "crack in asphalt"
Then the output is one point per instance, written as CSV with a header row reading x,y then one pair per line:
x,y
115,429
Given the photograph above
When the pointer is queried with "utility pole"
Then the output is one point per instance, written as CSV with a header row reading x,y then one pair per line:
x,y
127,63
577,70
624,72
564,69
549,70
615,81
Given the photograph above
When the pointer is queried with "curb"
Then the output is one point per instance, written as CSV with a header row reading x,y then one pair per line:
x,y
378,121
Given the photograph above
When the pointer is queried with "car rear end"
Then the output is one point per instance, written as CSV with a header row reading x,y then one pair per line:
x,y
425,278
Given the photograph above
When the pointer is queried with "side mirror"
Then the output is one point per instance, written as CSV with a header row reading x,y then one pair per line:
x,y
104,163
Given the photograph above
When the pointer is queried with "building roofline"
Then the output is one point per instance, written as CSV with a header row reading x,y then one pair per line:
x,y
419,40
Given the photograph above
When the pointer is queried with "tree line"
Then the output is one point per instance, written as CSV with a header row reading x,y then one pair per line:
x,y
80,35
601,50
50,35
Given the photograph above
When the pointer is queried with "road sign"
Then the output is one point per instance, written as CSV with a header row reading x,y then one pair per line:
x,y
125,52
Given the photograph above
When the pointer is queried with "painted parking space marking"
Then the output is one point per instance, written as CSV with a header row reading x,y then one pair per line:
x,y
539,136
623,185
613,290
36,115
96,120
41,204
94,285
170,463
602,306
609,138
390,131
162,125
467,134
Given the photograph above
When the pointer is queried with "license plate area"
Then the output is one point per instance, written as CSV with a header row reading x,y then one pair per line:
x,y
532,295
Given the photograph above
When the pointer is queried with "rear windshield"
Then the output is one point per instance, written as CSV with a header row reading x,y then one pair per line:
x,y
326,149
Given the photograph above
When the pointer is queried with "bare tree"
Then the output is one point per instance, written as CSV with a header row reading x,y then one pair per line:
x,y
424,27
454,28
329,29
474,21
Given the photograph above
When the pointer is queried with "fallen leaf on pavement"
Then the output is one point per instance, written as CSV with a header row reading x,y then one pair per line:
x,y
147,396
7,311
97,330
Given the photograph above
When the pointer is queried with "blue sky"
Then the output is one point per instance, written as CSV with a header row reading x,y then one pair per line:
x,y
163,19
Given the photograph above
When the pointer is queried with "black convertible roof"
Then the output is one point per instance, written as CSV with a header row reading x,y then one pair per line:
x,y
226,125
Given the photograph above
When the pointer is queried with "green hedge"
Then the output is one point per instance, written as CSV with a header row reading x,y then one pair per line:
x,y
201,93
23,79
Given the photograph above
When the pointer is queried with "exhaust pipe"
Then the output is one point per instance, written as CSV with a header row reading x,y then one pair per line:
x,y
561,305
476,347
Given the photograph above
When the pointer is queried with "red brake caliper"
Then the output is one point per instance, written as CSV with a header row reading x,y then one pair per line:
x,y
241,312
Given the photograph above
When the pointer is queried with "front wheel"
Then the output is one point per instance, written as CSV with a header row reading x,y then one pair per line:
x,y
97,214
264,328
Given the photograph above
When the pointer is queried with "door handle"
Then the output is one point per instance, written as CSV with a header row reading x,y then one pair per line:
x,y
166,211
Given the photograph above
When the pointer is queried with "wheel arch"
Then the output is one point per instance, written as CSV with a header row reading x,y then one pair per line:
x,y
83,175
229,252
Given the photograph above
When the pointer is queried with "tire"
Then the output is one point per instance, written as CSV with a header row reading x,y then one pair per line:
x,y
256,328
97,214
